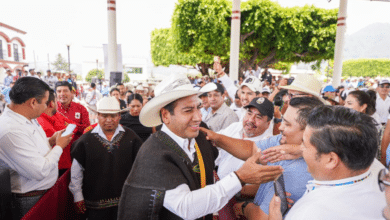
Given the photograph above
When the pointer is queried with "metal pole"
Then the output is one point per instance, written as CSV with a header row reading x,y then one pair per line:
x,y
97,64
235,40
112,44
48,62
68,58
339,47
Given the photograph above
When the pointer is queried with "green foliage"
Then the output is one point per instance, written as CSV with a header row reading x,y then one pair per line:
x,y
126,79
134,70
93,73
269,33
60,63
366,67
283,66
79,78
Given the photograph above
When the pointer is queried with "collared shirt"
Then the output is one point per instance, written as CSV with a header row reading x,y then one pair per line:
x,y
295,176
194,204
221,118
357,198
5,92
205,112
382,107
77,170
77,113
226,162
25,150
91,98
8,80
50,80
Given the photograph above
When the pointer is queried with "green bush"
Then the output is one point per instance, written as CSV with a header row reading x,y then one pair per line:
x,y
366,67
94,72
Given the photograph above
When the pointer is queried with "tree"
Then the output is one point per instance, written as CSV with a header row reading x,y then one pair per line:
x,y
60,63
366,67
269,33
126,78
94,73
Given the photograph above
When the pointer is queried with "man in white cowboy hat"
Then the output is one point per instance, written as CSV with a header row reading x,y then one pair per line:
x,y
102,159
172,177
303,85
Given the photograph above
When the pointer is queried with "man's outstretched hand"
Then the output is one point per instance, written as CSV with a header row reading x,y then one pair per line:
x,y
254,173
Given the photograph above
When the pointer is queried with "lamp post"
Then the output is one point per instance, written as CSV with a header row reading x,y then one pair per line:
x,y
68,45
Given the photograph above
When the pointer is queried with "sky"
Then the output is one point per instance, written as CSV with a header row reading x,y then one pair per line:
x,y
53,24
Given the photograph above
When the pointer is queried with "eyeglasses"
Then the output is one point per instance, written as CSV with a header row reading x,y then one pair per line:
x,y
383,179
383,86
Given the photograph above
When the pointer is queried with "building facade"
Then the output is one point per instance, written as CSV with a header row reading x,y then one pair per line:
x,y
12,50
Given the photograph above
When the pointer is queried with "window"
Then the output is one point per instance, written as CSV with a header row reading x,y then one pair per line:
x,y
1,50
16,54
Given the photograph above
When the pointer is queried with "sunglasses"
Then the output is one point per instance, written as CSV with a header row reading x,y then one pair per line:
x,y
383,86
383,179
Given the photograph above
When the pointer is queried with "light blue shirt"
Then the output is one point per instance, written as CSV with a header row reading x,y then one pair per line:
x,y
205,112
8,80
295,176
388,156
5,92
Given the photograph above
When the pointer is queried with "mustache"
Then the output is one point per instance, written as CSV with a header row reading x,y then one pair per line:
x,y
250,124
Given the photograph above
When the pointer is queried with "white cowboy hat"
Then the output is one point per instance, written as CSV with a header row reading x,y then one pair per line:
x,y
307,84
108,105
174,87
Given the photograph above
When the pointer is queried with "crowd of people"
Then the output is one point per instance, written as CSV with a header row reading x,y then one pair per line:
x,y
197,148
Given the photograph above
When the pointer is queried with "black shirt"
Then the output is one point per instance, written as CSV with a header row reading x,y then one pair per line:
x,y
133,123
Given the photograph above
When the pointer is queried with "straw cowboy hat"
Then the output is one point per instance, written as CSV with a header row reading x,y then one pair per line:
x,y
307,84
108,105
174,87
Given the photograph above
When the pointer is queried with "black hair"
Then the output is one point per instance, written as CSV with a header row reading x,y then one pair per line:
x,y
305,105
52,96
93,85
372,95
170,108
114,89
236,95
363,98
203,95
130,91
135,96
119,84
278,100
64,83
26,88
350,134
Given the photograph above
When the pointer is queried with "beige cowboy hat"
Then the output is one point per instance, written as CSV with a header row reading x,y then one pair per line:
x,y
307,84
174,87
108,105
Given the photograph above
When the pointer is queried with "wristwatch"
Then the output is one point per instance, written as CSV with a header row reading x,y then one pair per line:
x,y
277,120
243,206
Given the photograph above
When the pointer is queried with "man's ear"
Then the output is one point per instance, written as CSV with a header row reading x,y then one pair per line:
x,y
32,102
331,160
165,116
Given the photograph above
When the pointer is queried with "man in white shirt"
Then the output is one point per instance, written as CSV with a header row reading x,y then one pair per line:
x,y
183,160
383,100
256,121
102,159
91,100
33,73
25,149
339,147
50,79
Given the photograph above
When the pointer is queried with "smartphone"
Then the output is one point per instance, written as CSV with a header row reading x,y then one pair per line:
x,y
69,129
280,191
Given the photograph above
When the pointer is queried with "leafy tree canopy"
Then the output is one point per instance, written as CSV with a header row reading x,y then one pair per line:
x,y
269,34
366,67
60,63
94,73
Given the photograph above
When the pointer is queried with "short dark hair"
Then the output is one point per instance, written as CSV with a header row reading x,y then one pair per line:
x,y
64,83
52,96
114,89
170,108
364,98
119,84
305,105
26,88
350,134
130,91
93,85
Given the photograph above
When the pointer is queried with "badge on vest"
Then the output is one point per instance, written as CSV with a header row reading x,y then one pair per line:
x,y
77,115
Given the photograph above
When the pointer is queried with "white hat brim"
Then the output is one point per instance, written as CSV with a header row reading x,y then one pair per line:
x,y
150,113
108,111
296,88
